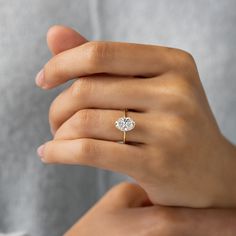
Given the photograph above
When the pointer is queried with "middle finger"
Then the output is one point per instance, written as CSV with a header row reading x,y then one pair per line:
x,y
103,92
100,124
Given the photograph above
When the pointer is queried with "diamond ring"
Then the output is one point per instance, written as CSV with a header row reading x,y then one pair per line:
x,y
125,124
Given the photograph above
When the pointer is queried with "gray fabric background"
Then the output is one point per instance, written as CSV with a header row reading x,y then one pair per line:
x,y
45,200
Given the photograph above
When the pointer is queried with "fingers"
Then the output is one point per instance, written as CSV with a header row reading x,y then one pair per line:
x,y
104,92
107,57
60,38
91,152
100,124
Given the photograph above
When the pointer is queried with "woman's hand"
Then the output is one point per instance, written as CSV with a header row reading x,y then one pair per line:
x,y
176,151
123,211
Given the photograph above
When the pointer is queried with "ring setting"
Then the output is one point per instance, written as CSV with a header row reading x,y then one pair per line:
x,y
125,124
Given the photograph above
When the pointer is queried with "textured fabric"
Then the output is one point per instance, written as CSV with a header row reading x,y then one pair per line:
x,y
46,200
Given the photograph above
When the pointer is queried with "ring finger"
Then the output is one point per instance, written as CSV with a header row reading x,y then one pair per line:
x,y
103,92
100,124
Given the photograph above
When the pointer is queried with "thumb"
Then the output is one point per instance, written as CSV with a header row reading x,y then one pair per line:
x,y
124,195
61,38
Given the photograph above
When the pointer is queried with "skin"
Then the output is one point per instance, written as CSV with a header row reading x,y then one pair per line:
x,y
124,210
176,152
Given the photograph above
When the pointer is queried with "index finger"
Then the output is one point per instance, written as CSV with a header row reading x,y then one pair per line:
x,y
127,59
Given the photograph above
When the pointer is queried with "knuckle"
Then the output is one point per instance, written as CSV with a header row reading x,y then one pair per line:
x,y
75,88
57,110
82,87
185,57
83,121
185,61
54,68
96,53
85,117
53,115
88,149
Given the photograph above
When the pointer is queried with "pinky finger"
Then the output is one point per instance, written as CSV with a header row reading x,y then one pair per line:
x,y
108,155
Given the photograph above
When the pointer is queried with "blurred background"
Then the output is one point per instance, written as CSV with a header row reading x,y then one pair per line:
x,y
45,200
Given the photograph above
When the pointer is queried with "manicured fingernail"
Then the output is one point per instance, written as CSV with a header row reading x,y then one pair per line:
x,y
40,151
39,80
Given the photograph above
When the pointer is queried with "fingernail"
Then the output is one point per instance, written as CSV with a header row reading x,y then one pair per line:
x,y
40,151
39,80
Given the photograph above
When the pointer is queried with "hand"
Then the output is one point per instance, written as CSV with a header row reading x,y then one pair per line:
x,y
176,151
122,211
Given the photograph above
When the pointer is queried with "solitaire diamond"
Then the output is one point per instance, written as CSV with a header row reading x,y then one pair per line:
x,y
125,124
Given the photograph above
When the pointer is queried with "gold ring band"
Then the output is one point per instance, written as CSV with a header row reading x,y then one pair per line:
x,y
124,133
